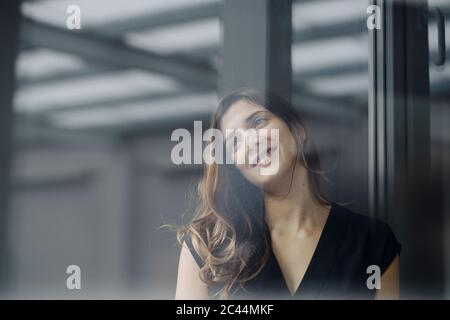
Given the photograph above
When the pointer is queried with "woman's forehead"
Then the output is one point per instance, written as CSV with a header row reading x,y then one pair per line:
x,y
237,113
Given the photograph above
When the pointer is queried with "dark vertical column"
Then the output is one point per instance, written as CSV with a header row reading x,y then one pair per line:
x,y
256,46
425,213
9,34
400,145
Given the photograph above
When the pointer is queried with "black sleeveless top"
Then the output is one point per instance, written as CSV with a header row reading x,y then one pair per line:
x,y
338,269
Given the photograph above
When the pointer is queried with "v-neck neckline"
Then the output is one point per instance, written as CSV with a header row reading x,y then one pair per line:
x,y
315,258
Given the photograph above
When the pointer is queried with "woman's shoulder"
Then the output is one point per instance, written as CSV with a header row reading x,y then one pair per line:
x,y
361,223
373,236
195,254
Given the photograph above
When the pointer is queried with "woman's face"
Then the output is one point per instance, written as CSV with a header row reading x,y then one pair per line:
x,y
244,115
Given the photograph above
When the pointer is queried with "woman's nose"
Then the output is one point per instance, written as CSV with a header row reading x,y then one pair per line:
x,y
252,147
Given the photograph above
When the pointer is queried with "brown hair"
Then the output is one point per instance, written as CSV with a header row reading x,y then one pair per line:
x,y
228,230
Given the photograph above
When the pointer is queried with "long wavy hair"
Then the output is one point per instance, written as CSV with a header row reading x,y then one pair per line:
x,y
228,230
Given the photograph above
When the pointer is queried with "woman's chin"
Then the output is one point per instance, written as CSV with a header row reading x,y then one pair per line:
x,y
267,181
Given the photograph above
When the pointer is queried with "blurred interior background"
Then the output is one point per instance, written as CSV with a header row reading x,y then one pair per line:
x,y
92,179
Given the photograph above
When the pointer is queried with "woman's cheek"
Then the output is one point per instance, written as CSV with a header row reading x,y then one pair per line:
x,y
290,146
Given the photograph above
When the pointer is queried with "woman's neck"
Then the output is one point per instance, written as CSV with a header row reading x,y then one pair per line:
x,y
295,212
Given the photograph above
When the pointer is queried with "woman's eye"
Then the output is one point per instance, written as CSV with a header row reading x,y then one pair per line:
x,y
258,122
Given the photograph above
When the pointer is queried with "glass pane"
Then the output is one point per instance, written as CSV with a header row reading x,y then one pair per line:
x,y
330,70
93,113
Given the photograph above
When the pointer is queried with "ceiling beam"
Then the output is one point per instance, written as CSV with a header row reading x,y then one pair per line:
x,y
107,102
160,19
339,69
85,71
347,28
165,18
114,52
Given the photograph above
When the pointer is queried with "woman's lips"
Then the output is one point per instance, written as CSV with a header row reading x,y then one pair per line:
x,y
263,161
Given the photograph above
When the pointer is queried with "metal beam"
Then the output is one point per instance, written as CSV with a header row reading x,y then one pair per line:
x,y
84,72
332,104
303,36
165,18
346,28
115,52
117,102
39,131
91,69
161,19
340,69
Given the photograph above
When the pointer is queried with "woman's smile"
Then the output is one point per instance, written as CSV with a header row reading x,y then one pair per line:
x,y
263,160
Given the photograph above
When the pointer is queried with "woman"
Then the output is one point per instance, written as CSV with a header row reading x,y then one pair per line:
x,y
277,236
